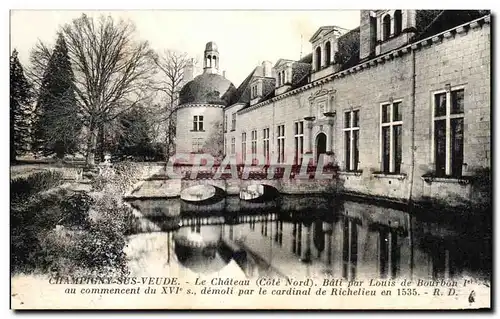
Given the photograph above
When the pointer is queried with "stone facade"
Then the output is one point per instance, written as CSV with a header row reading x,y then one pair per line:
x,y
402,77
190,140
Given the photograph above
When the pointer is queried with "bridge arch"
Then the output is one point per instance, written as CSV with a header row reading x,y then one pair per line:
x,y
259,191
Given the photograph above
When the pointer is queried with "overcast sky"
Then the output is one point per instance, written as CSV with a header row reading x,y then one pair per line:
x,y
244,38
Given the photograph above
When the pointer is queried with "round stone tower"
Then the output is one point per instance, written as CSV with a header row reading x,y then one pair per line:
x,y
200,111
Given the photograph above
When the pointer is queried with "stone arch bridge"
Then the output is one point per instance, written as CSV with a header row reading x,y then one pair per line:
x,y
286,186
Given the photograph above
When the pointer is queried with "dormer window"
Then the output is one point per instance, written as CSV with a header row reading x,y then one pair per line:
x,y
318,58
389,30
257,90
254,91
328,53
398,22
324,46
282,78
385,30
386,27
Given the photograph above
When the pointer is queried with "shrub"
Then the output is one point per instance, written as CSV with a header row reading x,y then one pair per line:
x,y
24,187
57,251
29,221
83,244
75,210
94,228
117,179
101,248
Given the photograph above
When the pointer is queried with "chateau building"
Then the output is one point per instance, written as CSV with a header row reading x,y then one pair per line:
x,y
401,104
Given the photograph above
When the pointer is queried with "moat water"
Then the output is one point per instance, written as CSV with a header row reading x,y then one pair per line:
x,y
312,236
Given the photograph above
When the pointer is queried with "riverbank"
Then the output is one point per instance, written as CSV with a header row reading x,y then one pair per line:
x,y
74,226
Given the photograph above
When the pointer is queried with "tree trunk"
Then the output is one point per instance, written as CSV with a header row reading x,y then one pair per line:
x,y
91,145
100,149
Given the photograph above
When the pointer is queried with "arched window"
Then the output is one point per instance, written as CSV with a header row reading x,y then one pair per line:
x,y
328,53
386,27
374,26
398,22
216,63
318,58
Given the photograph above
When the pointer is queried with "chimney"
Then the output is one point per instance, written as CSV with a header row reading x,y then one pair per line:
x,y
224,74
367,33
188,71
267,69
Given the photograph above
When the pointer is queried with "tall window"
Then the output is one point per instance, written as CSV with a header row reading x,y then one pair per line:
x,y
265,135
233,145
351,140
280,81
243,146
318,58
197,145
391,130
198,123
281,143
225,123
328,52
254,144
449,132
386,27
299,142
233,124
225,145
398,22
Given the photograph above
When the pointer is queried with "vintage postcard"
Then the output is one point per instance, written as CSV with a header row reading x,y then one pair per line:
x,y
327,159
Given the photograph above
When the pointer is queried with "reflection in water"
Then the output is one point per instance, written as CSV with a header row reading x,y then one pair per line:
x,y
346,239
199,248
349,248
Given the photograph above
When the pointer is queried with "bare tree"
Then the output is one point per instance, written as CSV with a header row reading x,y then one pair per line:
x,y
112,71
39,60
171,66
214,145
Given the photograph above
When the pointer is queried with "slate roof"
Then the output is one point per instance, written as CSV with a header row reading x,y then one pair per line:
x,y
300,73
430,22
307,59
207,89
348,49
242,93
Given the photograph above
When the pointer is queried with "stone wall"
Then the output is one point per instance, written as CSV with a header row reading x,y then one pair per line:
x,y
184,129
462,59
